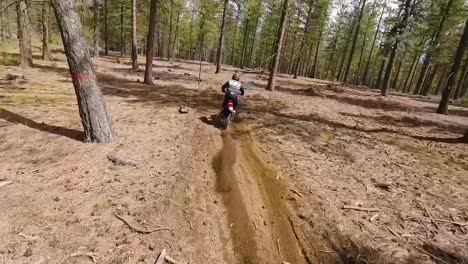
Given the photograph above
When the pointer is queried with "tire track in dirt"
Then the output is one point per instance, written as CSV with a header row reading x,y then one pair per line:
x,y
258,218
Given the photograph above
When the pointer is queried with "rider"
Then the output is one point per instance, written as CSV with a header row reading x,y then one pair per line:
x,y
232,89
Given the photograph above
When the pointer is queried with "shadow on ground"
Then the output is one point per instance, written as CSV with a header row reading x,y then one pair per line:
x,y
410,122
57,130
212,120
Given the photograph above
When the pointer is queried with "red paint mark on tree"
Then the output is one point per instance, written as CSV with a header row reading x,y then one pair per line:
x,y
81,75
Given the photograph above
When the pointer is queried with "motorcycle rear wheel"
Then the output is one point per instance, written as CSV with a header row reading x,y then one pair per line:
x,y
226,120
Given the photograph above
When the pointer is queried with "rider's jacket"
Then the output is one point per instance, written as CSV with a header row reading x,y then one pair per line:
x,y
233,88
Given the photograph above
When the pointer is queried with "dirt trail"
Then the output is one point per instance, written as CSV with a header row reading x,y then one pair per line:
x,y
216,190
260,226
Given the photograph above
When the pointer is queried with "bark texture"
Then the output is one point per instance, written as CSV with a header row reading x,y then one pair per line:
x,y
304,39
45,30
24,34
97,27
366,70
150,43
279,43
219,55
432,46
353,46
96,122
399,32
443,106
134,37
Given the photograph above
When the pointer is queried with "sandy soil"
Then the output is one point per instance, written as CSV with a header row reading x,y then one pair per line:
x,y
269,189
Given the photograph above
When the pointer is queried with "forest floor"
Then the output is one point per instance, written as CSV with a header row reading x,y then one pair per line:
x,y
271,188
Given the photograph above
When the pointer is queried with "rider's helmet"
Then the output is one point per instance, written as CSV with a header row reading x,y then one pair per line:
x,y
235,77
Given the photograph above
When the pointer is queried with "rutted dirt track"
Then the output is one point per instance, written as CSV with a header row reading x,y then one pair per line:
x,y
259,221
269,189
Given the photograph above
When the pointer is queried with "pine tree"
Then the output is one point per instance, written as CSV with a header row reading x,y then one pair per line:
x,y
150,43
443,106
399,30
45,30
353,46
24,34
279,42
94,117
219,54
134,36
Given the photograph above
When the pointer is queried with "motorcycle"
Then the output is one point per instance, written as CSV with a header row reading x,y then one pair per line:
x,y
227,114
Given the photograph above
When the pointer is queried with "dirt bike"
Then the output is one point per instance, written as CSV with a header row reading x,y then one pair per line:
x,y
227,114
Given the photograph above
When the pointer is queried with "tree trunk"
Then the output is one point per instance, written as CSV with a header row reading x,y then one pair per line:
x,y
94,117
122,31
345,52
171,18
8,23
412,77
353,46
24,34
176,35
378,82
389,69
464,88
315,71
441,82
160,40
45,30
422,75
292,54
219,54
97,27
271,80
304,39
190,57
464,72
371,76
150,42
397,75
307,68
443,106
282,57
357,77
400,30
244,43
106,33
342,60
366,70
332,54
134,36
231,61
434,43
427,85
415,59
284,64
3,20
201,42
252,44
